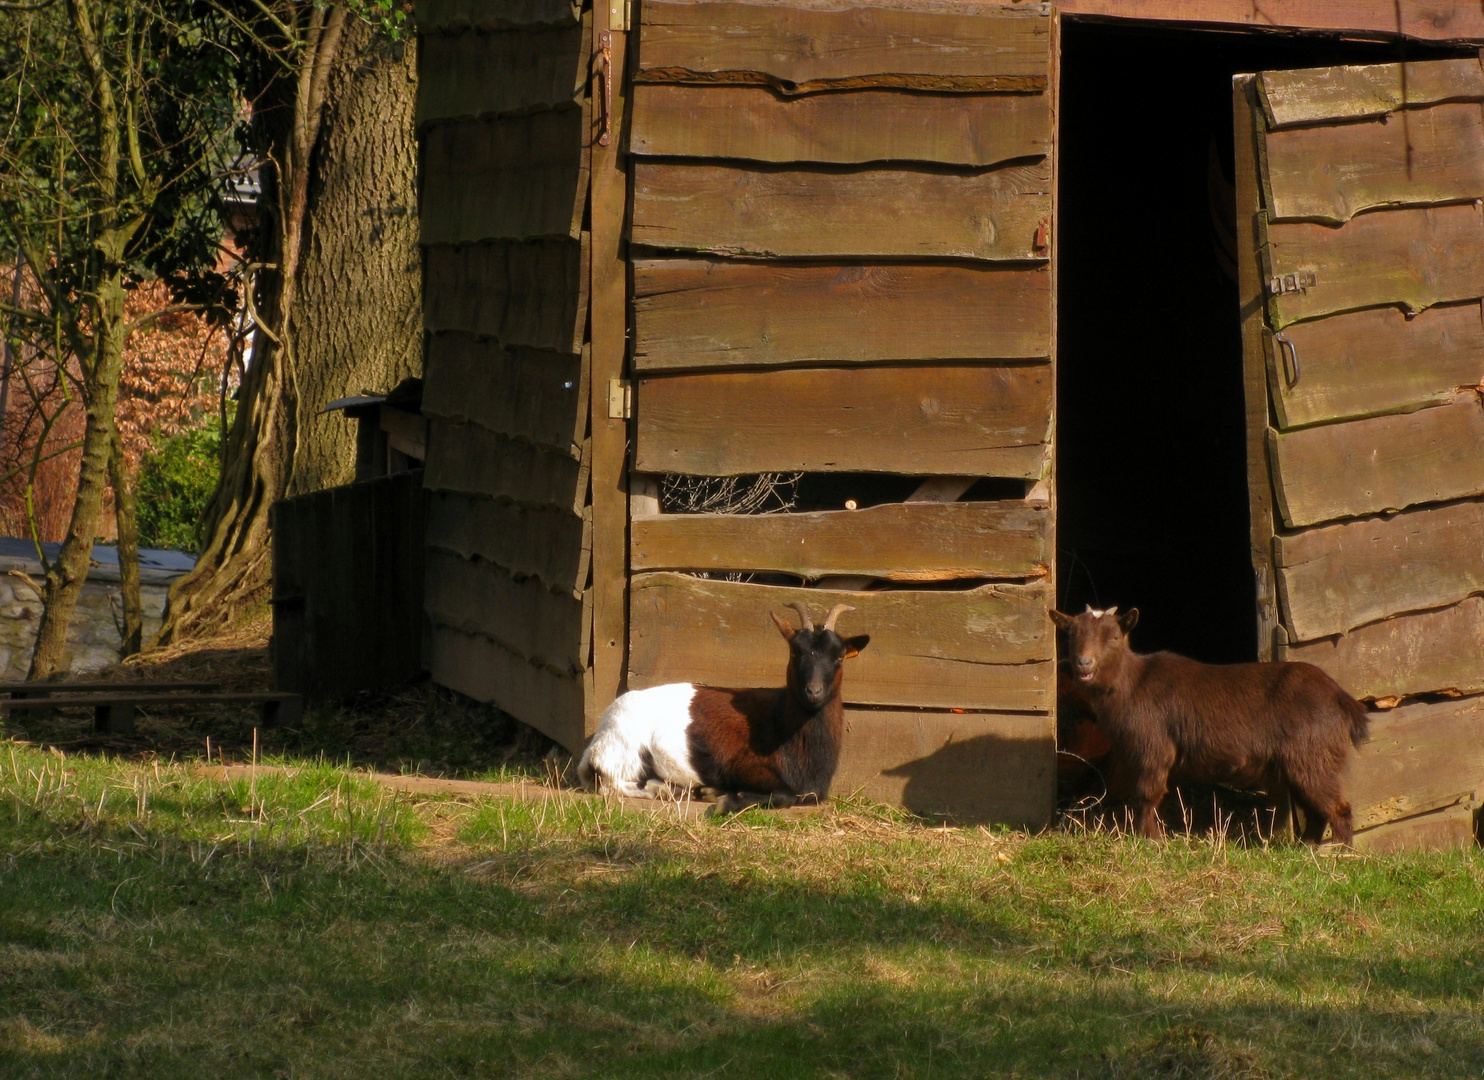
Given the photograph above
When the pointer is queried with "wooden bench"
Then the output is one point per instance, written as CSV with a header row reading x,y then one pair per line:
x,y
114,704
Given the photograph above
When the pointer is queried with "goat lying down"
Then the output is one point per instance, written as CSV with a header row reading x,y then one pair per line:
x,y
1270,725
763,747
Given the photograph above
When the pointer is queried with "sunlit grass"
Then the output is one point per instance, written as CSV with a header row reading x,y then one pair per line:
x,y
155,923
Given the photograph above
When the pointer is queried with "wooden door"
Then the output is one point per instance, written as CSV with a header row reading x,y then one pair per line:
x,y
834,272
1364,344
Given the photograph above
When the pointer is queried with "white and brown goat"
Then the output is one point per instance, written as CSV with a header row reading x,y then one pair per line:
x,y
756,747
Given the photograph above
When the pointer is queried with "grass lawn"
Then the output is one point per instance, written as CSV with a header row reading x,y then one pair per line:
x,y
156,924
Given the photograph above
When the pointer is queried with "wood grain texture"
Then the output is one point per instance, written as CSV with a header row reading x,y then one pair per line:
x,y
1364,363
1379,464
469,459
1414,258
986,648
469,75
1451,829
452,16
552,545
958,421
798,47
697,313
487,671
547,628
1342,576
1430,20
1410,654
986,768
514,178
760,210
900,542
1419,758
532,293
1315,95
855,126
1413,158
521,393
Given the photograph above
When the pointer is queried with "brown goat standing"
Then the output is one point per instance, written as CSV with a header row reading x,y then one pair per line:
x,y
1268,725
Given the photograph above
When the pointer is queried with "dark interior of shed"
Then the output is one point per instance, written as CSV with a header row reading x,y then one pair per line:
x,y
1151,432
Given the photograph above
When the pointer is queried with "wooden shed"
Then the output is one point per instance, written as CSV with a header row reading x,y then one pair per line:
x,y
1167,303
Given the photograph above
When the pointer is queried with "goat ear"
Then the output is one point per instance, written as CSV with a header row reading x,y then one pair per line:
x,y
1129,619
1064,622
854,645
787,629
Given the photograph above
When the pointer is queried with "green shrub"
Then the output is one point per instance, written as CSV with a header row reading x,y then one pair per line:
x,y
175,482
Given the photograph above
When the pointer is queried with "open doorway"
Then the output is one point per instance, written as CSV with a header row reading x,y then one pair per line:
x,y
1152,505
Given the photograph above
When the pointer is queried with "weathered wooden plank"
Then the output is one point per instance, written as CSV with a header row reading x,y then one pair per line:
x,y
1452,829
487,671
696,313
797,47
762,210
960,421
1419,758
900,541
1363,363
1380,463
1413,257
1316,95
851,127
514,178
1333,172
521,293
474,74
994,768
1430,20
532,621
552,545
451,16
469,459
1410,654
1343,576
522,393
986,648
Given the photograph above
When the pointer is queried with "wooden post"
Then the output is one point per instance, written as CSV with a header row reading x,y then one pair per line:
x,y
609,315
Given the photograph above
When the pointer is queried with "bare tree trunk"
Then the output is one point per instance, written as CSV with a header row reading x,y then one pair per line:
x,y
128,530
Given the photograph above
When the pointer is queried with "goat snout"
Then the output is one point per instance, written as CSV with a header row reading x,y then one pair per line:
x,y
816,693
1086,667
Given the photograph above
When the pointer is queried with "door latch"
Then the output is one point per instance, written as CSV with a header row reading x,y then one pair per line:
x,y
1299,282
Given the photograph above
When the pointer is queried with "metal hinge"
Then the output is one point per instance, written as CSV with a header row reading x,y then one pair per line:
x,y
620,399
1301,281
618,14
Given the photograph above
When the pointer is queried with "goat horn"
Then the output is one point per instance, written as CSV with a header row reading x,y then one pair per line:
x,y
803,616
829,620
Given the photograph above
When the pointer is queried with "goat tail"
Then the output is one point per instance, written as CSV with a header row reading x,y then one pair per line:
x,y
1360,720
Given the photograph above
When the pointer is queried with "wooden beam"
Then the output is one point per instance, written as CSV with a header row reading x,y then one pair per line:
x,y
548,544
1355,92
1379,464
797,47
469,75
1430,20
1429,652
739,209
987,648
1419,758
517,178
963,421
532,293
900,542
1452,829
1413,258
522,393
695,313
1416,158
1364,363
857,126
467,458
1339,577
453,16
991,768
